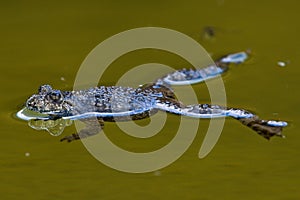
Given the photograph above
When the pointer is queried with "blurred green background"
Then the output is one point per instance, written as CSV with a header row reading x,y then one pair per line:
x,y
45,42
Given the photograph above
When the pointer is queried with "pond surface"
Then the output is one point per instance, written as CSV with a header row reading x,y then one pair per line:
x,y
47,42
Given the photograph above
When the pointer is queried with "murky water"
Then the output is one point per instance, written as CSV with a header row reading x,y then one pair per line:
x,y
47,42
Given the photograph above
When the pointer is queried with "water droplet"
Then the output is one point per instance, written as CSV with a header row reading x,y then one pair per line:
x,y
281,63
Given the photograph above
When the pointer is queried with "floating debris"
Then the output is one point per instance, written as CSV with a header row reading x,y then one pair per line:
x,y
208,33
283,63
27,154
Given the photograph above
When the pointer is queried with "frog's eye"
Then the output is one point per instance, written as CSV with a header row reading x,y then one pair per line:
x,y
55,96
44,89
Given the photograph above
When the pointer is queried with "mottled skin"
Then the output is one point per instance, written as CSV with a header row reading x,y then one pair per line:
x,y
124,103
114,100
102,99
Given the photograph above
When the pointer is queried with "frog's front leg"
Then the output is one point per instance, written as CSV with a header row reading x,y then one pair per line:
x,y
92,127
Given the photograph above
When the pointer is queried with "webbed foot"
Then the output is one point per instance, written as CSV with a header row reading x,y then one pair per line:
x,y
263,127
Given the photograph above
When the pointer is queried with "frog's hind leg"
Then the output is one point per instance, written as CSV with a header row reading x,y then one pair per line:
x,y
262,127
193,76
265,128
93,127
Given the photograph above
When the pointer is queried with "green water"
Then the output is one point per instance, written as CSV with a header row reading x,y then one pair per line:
x,y
43,42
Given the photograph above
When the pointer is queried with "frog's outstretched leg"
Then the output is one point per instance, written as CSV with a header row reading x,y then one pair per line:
x,y
262,127
265,128
93,127
192,76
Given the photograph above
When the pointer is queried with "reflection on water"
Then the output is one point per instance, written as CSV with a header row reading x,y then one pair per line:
x,y
54,127
40,121
46,41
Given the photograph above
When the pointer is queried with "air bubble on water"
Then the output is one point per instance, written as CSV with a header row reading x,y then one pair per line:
x,y
281,63
27,154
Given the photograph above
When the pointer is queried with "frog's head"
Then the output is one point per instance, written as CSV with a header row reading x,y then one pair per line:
x,y
48,101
